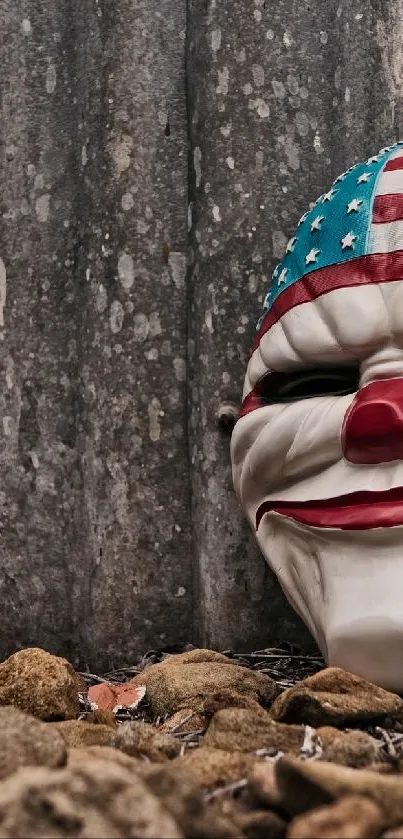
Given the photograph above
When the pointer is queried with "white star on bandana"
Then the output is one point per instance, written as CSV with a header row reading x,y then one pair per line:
x,y
348,240
316,224
312,256
328,195
364,178
354,205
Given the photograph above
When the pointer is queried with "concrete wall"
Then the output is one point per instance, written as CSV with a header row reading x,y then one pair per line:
x,y
139,138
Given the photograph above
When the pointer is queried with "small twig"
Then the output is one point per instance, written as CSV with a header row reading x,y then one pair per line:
x,y
280,656
181,723
188,735
234,787
124,670
389,747
94,678
269,754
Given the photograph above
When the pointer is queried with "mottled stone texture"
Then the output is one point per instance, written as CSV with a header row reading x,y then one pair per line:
x,y
105,349
95,525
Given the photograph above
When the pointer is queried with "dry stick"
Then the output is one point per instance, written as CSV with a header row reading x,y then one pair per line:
x,y
174,728
92,676
236,785
281,655
390,749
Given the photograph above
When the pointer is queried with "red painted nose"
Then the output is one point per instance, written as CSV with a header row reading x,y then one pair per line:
x,y
373,425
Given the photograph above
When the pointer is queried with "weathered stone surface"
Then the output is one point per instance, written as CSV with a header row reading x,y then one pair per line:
x,y
352,817
213,767
302,785
175,786
78,755
78,733
195,656
40,684
26,741
186,684
222,699
352,748
334,697
98,799
102,718
242,730
93,335
261,824
138,738
264,786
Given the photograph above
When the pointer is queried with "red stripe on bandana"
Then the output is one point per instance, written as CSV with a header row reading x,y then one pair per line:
x,y
387,208
392,165
373,268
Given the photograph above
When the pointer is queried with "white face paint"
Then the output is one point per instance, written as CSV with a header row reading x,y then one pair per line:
x,y
339,561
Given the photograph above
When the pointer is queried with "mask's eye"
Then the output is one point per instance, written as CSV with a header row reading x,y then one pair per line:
x,y
304,384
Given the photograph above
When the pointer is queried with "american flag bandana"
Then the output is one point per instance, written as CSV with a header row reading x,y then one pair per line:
x,y
353,235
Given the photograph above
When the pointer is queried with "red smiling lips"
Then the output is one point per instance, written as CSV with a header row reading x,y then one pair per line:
x,y
355,511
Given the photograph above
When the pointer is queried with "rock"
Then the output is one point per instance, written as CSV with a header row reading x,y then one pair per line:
x,y
78,756
184,681
26,741
78,733
184,722
303,785
40,684
212,767
175,786
139,738
192,657
351,817
97,800
220,700
101,718
242,730
263,785
334,697
352,748
261,824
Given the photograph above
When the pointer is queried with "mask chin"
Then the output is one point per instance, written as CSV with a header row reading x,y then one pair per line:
x,y
347,587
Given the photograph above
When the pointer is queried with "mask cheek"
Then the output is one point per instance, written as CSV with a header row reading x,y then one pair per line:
x,y
259,444
317,440
296,564
346,586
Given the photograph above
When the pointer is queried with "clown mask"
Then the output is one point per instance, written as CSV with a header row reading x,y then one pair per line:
x,y
317,452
